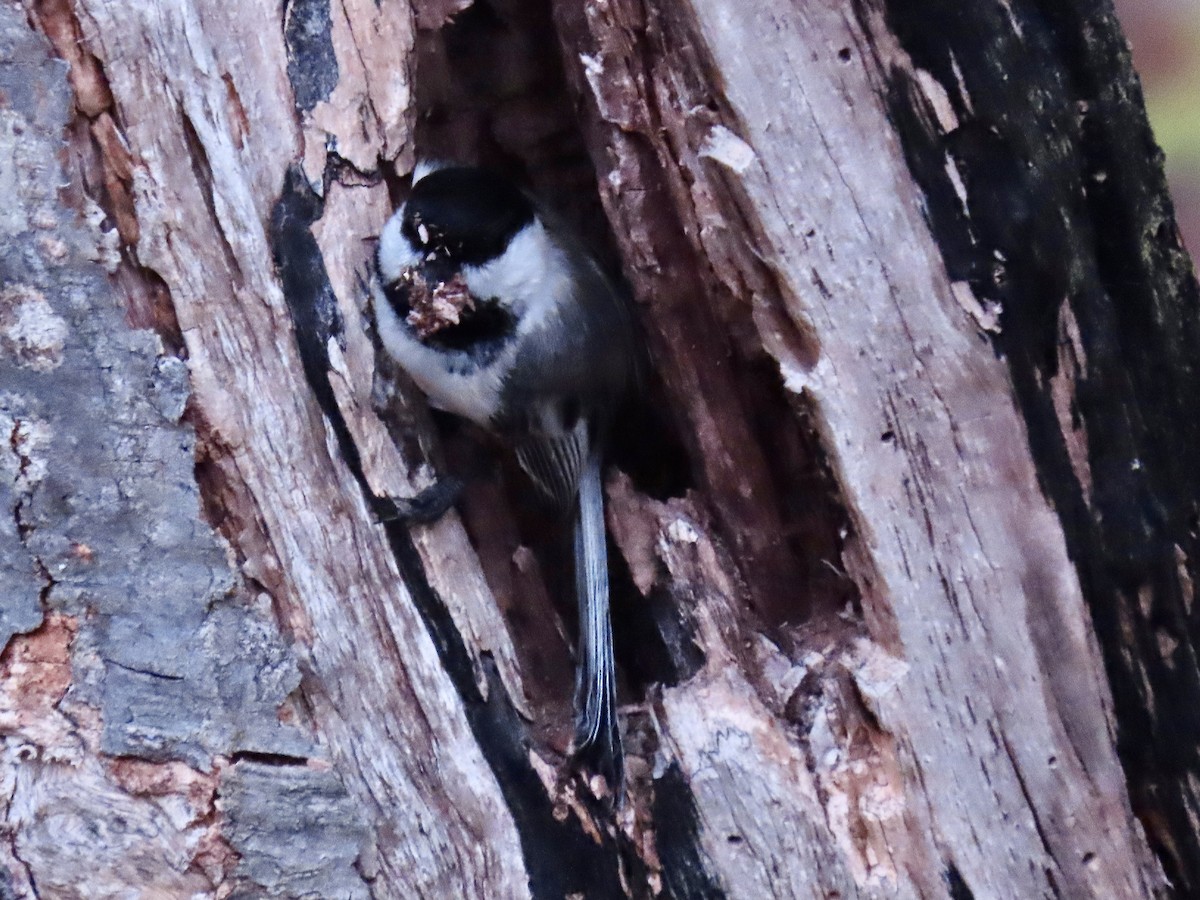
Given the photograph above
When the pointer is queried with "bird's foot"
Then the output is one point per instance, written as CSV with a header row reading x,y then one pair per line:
x,y
425,508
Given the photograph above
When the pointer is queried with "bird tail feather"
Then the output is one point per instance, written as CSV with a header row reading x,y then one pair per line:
x,y
597,731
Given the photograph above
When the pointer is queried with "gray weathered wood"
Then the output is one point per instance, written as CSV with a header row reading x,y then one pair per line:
x,y
993,716
865,662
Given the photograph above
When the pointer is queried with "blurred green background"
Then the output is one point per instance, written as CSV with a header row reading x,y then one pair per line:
x,y
1165,36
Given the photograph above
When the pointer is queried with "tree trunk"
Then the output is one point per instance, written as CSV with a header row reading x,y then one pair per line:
x,y
903,589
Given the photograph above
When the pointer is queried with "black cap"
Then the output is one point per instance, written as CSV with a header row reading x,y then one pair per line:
x,y
468,214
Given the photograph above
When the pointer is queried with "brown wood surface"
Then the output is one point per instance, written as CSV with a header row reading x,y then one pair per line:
x,y
863,582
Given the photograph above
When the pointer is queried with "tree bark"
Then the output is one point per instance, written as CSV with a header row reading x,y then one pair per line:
x,y
903,588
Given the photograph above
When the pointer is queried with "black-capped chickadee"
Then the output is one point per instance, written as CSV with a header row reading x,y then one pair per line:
x,y
500,316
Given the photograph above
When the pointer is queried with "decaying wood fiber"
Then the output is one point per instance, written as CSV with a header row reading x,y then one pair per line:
x,y
858,655
186,660
994,686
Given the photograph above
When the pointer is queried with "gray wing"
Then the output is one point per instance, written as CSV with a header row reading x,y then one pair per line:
x,y
554,461
564,390
568,380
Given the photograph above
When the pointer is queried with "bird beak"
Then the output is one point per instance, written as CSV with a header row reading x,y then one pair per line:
x,y
436,269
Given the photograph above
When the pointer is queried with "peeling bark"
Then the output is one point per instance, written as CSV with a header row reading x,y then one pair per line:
x,y
904,582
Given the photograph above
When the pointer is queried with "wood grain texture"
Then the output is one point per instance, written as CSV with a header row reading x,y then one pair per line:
x,y
430,786
208,127
857,625
1001,722
1048,198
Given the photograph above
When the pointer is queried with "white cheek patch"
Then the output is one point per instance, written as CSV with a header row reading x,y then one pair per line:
x,y
395,252
529,278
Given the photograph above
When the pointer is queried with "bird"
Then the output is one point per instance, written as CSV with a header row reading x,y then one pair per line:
x,y
501,315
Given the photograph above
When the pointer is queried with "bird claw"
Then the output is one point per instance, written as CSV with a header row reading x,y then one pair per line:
x,y
425,508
